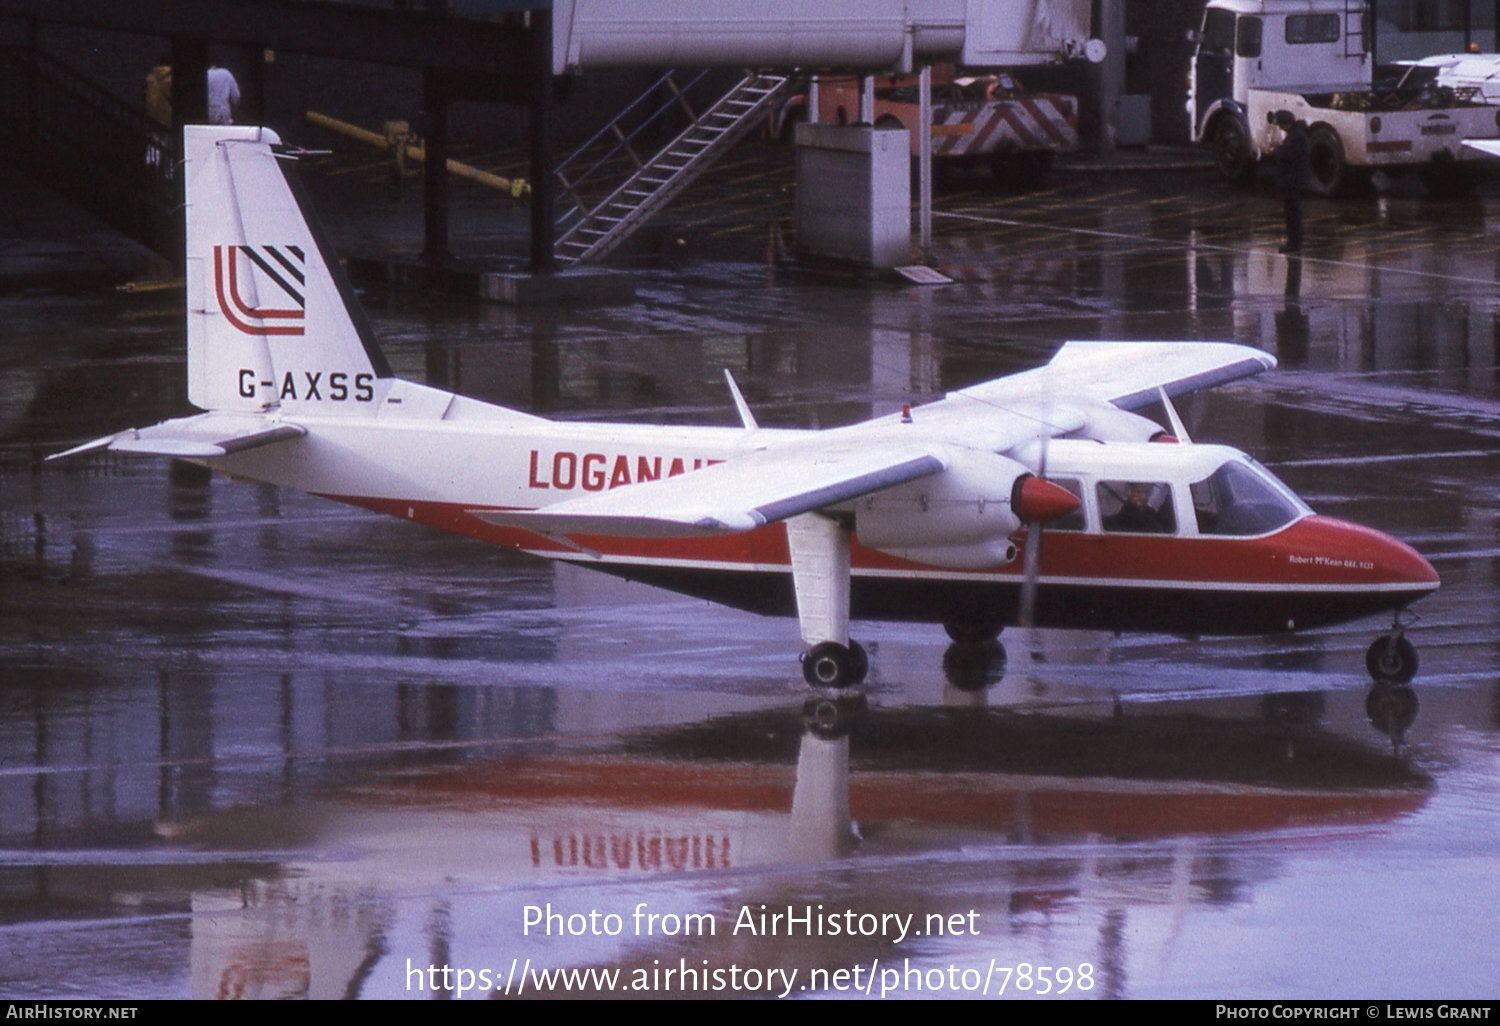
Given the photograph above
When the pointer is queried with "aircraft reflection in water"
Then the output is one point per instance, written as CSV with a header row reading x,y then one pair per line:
x,y
674,812
933,515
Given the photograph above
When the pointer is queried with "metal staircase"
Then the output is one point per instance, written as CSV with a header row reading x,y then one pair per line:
x,y
91,146
593,227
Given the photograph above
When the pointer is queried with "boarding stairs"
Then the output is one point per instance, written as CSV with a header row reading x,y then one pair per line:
x,y
590,229
92,147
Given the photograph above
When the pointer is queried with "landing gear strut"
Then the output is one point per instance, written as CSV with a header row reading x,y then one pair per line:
x,y
1392,659
819,548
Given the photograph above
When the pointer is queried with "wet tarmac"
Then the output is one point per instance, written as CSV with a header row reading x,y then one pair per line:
x,y
258,745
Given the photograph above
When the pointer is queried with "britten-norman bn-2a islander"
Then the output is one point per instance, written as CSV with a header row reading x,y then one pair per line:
x,y
1039,497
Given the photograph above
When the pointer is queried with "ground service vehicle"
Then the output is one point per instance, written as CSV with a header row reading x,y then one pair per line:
x,y
1255,57
933,514
988,119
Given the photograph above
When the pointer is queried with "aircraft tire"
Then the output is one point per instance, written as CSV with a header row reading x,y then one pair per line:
x,y
828,665
974,667
973,632
859,662
1392,660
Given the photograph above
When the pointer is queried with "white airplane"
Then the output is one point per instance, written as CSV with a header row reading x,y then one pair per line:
x,y
919,516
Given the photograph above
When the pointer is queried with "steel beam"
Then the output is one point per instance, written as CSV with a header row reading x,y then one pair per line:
x,y
466,47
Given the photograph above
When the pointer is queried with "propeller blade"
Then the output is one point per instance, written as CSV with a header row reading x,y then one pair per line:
x,y
1032,558
1037,500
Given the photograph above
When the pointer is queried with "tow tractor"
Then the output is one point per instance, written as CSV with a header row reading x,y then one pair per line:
x,y
1255,57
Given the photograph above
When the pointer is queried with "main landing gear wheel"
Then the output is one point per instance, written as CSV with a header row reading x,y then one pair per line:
x,y
974,667
831,665
1392,660
973,632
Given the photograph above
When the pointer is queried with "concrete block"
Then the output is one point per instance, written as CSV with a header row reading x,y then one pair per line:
x,y
576,285
854,193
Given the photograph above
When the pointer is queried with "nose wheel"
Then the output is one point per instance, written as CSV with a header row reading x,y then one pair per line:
x,y
1392,659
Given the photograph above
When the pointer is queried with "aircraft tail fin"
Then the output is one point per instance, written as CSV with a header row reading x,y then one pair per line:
x,y
272,322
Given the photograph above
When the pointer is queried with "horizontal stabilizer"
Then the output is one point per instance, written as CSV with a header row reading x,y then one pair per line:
x,y
193,438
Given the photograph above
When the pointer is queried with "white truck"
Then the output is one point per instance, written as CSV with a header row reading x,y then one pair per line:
x,y
1311,57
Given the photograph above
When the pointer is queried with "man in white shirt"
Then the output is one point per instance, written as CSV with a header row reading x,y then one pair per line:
x,y
223,95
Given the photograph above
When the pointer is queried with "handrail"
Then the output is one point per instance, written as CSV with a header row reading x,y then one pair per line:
x,y
101,151
623,114
571,186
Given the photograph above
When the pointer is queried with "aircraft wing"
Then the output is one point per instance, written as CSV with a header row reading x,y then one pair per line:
x,y
1124,374
826,468
198,437
739,495
1489,147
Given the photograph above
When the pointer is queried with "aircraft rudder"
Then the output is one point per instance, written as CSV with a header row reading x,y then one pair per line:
x,y
272,320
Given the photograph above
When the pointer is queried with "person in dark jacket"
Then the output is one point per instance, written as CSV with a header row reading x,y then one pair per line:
x,y
1292,174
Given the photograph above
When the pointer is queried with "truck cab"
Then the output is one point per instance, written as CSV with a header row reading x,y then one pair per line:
x,y
1255,58
1297,46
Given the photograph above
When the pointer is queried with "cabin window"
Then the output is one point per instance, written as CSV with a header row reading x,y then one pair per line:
x,y
1238,500
1137,507
1312,28
1247,38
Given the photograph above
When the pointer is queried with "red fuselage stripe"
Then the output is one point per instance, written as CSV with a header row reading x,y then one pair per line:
x,y
1311,552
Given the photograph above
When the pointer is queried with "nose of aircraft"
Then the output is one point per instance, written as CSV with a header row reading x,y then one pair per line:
x,y
1354,552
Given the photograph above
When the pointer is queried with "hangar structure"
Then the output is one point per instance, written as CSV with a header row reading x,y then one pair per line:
x,y
519,52
63,127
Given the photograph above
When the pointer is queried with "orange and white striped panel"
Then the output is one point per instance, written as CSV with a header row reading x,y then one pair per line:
x,y
1045,122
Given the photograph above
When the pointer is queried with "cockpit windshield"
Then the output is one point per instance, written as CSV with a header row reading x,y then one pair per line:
x,y
1242,499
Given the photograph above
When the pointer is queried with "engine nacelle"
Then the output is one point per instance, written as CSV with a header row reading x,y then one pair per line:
x,y
1110,424
960,519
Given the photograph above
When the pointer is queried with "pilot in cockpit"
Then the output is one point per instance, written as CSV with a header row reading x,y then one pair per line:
x,y
1138,514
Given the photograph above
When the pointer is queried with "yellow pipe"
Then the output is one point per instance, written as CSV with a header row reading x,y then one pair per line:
x,y
160,285
516,187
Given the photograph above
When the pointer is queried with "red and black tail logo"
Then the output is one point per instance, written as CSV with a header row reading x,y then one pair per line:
x,y
279,265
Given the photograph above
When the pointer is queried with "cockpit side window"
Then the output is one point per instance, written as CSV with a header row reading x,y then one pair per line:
x,y
1237,500
1247,37
1137,507
1218,31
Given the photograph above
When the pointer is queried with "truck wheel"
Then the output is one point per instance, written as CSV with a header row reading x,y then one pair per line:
x,y
1325,154
1232,151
